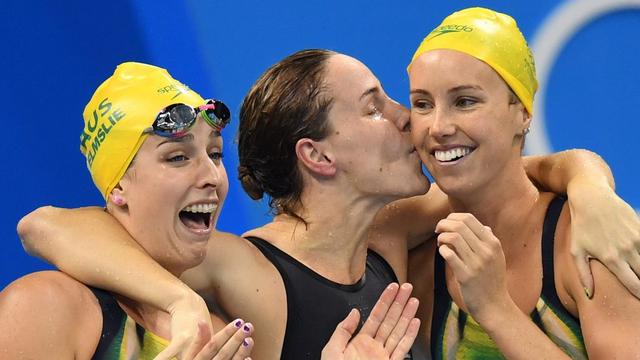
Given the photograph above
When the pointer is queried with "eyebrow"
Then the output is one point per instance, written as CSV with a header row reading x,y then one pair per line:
x,y
185,138
419,91
453,90
372,91
465,87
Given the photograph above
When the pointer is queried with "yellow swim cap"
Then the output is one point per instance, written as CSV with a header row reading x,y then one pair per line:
x,y
120,110
492,37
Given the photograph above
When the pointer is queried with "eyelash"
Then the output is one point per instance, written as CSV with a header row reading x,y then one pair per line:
x,y
468,100
175,158
375,113
216,156
420,104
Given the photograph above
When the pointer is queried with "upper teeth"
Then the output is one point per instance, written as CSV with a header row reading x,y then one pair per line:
x,y
448,155
201,208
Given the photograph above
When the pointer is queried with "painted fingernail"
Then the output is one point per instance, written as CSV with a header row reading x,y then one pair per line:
x,y
588,293
245,343
238,323
246,328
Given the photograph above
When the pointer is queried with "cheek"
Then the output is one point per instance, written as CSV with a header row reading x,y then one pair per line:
x,y
419,128
155,189
223,186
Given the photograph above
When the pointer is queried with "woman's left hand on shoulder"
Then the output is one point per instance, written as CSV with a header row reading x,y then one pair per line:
x,y
605,227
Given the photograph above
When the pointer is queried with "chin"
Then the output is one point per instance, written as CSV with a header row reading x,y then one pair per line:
x,y
455,187
194,257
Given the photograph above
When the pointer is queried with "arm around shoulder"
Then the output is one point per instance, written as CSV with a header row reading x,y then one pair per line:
x,y
558,172
48,229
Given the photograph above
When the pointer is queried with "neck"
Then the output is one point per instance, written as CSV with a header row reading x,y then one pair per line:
x,y
503,204
334,241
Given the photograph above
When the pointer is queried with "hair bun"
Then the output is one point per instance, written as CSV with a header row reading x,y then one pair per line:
x,y
249,183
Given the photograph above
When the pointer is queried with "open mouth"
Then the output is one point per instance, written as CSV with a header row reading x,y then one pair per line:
x,y
198,217
452,154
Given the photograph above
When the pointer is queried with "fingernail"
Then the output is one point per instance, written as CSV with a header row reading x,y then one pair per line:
x,y
586,292
245,343
238,323
246,328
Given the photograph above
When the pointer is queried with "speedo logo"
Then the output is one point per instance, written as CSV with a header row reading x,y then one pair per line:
x,y
178,88
450,29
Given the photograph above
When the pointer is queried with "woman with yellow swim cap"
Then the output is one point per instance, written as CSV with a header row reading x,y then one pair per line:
x,y
154,150
502,275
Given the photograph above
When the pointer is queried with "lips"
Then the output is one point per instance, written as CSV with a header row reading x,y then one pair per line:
x,y
452,154
198,217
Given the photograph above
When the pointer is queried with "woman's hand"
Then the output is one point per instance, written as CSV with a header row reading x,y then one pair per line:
x,y
605,227
476,258
233,342
388,333
191,333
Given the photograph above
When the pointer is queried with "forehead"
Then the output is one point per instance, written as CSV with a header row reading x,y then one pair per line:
x,y
347,78
451,67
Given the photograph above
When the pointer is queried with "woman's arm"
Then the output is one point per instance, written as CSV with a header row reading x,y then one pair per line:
x,y
609,320
603,225
555,172
93,247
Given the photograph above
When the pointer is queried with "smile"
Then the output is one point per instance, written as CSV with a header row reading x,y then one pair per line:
x,y
453,154
198,217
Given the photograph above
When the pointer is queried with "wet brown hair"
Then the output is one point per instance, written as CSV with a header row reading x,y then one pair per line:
x,y
287,103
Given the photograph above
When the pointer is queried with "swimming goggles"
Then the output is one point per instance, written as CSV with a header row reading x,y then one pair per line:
x,y
176,120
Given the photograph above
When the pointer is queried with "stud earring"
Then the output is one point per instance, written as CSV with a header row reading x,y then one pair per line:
x,y
117,199
526,131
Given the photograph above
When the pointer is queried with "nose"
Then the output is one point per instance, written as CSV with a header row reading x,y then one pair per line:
x,y
399,115
442,126
209,173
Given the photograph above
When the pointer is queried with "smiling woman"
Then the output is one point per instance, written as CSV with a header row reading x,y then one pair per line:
x,y
156,156
502,277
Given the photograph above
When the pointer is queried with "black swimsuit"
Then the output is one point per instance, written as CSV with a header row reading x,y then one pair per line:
x,y
315,305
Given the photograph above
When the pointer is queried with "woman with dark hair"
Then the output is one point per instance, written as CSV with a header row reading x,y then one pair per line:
x,y
319,136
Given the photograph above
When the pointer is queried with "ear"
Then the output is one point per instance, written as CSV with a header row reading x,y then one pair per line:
x,y
523,120
316,157
117,197
526,121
